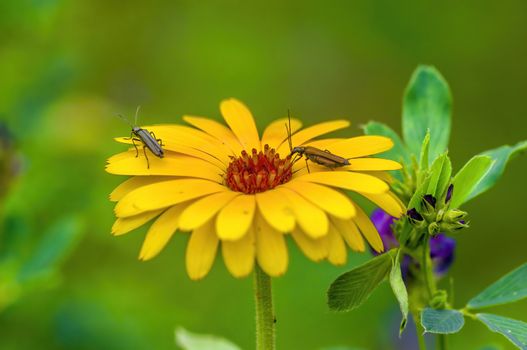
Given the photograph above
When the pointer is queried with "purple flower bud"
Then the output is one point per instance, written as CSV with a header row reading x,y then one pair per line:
x,y
430,199
413,214
449,193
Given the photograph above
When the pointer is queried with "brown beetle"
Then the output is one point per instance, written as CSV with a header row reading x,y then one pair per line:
x,y
316,155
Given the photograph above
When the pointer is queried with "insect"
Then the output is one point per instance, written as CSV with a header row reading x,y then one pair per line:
x,y
316,155
147,138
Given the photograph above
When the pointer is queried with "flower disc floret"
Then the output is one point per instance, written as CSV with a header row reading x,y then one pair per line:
x,y
258,172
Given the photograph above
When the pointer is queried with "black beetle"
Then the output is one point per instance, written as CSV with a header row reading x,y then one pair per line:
x,y
147,138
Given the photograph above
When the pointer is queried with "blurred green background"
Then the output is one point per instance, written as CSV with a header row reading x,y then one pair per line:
x,y
68,67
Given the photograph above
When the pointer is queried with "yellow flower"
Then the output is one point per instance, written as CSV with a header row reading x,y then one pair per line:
x,y
226,185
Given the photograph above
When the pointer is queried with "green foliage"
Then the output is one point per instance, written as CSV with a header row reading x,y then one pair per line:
x,y
468,178
353,288
425,152
440,173
420,191
442,321
501,156
399,289
427,106
192,341
511,287
513,330
423,175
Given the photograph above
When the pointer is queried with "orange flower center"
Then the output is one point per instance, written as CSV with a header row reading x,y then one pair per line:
x,y
258,172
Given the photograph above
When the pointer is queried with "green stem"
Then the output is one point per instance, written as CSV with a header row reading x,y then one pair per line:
x,y
431,287
428,273
265,321
419,331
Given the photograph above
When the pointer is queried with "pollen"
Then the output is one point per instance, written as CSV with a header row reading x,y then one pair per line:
x,y
258,171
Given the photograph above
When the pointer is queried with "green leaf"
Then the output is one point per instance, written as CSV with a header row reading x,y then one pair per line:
x,y
192,341
399,289
442,321
440,173
58,241
427,106
468,178
423,158
399,152
444,178
514,330
511,287
420,191
352,288
501,156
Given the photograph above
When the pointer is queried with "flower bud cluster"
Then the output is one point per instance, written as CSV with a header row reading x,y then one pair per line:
x,y
435,215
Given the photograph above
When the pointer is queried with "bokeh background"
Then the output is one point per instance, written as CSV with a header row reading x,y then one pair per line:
x,y
68,67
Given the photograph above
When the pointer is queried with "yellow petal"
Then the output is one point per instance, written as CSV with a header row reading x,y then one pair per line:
x,y
164,194
303,136
315,249
368,230
372,164
311,219
276,210
387,202
160,232
271,250
276,132
327,199
201,251
235,218
134,183
170,165
125,225
241,122
357,182
218,130
322,144
239,255
337,254
181,149
383,175
361,146
202,210
350,232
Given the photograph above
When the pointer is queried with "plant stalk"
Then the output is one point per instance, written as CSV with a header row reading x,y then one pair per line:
x,y
265,320
419,330
431,287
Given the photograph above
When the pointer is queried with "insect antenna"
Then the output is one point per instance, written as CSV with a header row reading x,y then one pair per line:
x,y
136,114
288,129
125,120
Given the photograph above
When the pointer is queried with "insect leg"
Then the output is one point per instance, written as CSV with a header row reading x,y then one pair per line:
x,y
147,161
307,166
158,140
133,143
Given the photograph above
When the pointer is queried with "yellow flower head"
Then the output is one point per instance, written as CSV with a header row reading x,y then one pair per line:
x,y
226,185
